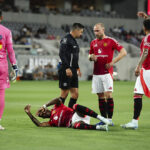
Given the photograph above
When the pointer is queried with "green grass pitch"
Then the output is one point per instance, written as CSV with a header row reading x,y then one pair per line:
x,y
22,134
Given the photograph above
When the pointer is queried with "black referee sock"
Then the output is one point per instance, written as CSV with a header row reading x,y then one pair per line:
x,y
72,102
103,107
137,107
85,111
62,99
110,107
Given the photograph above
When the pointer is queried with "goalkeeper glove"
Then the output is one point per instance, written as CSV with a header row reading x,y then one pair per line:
x,y
14,72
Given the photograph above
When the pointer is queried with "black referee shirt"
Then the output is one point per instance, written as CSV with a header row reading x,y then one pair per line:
x,y
69,52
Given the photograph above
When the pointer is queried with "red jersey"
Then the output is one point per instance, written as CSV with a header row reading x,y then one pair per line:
x,y
104,51
61,116
145,44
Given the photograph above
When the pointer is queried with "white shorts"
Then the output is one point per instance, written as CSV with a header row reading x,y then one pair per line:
x,y
138,85
77,118
102,83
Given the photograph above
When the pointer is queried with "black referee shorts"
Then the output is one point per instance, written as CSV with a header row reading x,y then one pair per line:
x,y
66,82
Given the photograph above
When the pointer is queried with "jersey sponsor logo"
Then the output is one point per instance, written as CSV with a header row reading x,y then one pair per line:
x,y
102,56
105,44
147,44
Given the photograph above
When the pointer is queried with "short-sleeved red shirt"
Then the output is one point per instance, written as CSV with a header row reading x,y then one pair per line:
x,y
61,116
104,50
145,44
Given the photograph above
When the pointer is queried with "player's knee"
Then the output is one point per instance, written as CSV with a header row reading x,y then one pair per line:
x,y
108,95
75,106
76,125
75,95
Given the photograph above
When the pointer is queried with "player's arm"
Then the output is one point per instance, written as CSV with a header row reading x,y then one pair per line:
x,y
121,54
142,15
142,59
91,56
11,55
56,101
34,120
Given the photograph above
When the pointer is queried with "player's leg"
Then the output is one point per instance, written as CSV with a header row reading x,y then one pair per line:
x,y
74,96
82,125
110,106
108,88
64,84
138,94
2,105
73,89
63,95
102,104
97,88
87,111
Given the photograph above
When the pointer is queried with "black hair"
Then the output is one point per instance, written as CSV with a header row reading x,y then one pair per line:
x,y
146,24
77,26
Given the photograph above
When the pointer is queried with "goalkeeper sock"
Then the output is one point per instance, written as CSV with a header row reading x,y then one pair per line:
x,y
137,107
103,107
85,111
72,102
2,101
110,107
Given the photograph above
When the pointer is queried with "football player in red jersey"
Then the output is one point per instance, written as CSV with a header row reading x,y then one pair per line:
x,y
63,116
101,52
142,71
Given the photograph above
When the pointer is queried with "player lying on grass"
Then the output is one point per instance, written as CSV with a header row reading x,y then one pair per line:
x,y
62,116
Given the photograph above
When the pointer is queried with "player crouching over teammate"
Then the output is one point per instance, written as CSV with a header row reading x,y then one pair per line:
x,y
63,116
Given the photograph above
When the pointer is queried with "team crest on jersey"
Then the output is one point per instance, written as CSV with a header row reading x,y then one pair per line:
x,y
105,44
53,112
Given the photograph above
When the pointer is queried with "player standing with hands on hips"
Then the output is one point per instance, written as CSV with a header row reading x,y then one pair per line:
x,y
6,47
101,52
69,69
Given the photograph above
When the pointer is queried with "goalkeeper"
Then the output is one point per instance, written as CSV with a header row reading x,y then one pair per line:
x,y
6,46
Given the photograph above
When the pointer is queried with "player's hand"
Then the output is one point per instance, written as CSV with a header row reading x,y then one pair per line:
x,y
109,65
69,72
79,72
93,57
27,108
142,14
137,71
14,73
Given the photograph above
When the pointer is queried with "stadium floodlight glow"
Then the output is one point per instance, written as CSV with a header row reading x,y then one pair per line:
x,y
148,7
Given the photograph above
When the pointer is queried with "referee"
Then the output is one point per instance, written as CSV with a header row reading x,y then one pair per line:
x,y
69,69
